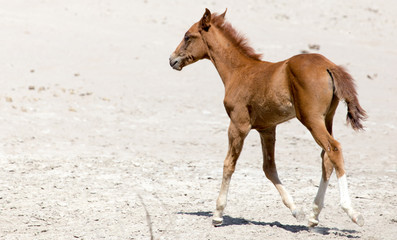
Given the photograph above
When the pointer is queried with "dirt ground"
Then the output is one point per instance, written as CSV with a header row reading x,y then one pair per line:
x,y
101,139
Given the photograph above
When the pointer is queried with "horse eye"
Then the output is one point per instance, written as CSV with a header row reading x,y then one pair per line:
x,y
187,37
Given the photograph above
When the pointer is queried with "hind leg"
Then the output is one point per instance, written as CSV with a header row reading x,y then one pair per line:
x,y
318,203
327,169
314,98
269,167
333,152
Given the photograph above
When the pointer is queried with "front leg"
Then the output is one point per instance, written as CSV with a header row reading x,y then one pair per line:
x,y
268,139
237,134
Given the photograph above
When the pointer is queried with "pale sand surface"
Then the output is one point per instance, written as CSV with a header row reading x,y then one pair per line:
x,y
92,117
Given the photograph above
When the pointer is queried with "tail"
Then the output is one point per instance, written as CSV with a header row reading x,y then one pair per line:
x,y
345,89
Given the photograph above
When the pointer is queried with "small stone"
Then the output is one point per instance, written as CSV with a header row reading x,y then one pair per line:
x,y
314,47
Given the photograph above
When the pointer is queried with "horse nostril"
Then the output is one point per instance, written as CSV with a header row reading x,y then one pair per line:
x,y
172,63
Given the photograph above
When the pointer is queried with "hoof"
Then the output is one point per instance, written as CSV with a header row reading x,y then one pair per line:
x,y
299,215
217,221
312,222
359,220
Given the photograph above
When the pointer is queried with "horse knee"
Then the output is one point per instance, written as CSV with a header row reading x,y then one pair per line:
x,y
270,172
267,174
229,168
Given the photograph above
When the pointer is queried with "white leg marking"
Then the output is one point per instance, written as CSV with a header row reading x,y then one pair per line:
x,y
289,203
221,202
318,203
345,202
321,193
286,197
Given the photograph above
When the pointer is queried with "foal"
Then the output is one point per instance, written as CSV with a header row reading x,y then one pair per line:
x,y
260,95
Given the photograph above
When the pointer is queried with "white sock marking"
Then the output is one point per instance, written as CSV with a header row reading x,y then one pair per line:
x,y
345,201
321,193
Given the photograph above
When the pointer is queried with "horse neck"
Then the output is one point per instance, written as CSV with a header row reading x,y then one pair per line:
x,y
226,57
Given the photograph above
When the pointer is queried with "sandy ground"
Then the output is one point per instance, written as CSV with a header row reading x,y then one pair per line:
x,y
96,127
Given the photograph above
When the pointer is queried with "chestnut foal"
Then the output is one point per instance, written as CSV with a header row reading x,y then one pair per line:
x,y
260,95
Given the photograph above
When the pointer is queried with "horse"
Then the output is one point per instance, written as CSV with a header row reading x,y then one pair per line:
x,y
260,95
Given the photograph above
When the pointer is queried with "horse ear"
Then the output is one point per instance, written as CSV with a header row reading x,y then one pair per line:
x,y
223,14
205,22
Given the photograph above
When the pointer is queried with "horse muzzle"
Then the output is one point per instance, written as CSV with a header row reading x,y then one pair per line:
x,y
176,62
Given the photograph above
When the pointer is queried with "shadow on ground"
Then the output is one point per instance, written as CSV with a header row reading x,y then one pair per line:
x,y
230,221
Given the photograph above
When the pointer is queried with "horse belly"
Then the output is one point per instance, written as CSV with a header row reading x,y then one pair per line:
x,y
270,114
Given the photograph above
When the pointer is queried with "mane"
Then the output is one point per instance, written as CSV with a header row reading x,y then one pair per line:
x,y
235,37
